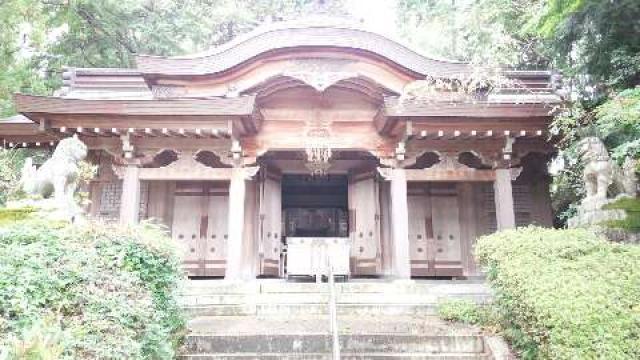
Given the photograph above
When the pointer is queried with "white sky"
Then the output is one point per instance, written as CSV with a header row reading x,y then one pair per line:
x,y
379,15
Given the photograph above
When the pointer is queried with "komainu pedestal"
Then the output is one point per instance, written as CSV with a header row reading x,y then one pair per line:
x,y
599,173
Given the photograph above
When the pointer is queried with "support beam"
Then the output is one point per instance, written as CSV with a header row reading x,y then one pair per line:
x,y
237,193
239,264
130,198
503,194
401,261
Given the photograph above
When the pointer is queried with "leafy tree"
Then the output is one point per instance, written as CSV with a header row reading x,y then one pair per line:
x,y
597,38
22,43
109,33
482,31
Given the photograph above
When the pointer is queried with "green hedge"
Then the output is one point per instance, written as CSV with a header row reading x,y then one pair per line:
x,y
87,292
9,216
565,294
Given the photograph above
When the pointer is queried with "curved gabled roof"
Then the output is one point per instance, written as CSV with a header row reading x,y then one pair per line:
x,y
308,33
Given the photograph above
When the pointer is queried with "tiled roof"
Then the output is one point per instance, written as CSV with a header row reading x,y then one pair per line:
x,y
240,106
286,35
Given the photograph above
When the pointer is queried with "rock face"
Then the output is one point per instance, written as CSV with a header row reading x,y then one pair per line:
x,y
600,172
56,180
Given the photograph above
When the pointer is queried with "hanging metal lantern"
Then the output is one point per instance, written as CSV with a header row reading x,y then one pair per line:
x,y
318,151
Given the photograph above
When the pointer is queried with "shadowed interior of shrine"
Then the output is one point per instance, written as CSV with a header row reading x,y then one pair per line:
x,y
315,206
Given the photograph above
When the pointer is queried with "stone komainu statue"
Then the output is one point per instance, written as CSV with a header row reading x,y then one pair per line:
x,y
600,171
57,176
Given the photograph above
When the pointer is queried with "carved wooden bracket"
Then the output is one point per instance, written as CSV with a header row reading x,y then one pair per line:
x,y
515,173
185,168
449,161
250,171
127,146
385,173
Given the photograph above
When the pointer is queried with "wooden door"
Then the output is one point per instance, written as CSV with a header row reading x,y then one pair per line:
x,y
270,248
419,235
364,226
446,229
217,234
186,231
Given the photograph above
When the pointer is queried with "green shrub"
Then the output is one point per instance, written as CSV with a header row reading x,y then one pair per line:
x,y
465,311
8,216
565,294
111,291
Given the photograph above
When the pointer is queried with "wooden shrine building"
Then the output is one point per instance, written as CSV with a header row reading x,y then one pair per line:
x,y
306,129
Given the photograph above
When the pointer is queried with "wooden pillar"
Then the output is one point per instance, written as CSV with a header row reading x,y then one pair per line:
x,y
249,244
401,261
503,193
95,194
237,193
130,198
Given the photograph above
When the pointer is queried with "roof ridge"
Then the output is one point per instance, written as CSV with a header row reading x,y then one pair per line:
x,y
308,22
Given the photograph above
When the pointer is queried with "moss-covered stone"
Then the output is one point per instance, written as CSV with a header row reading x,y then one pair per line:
x,y
631,222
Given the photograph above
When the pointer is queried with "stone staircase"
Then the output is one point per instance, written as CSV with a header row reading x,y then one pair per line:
x,y
273,319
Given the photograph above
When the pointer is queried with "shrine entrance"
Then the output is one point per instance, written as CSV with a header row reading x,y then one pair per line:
x,y
435,230
333,216
316,225
199,226
315,206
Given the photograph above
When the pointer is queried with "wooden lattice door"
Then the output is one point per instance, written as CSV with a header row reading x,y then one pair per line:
x,y
187,231
446,228
364,224
270,227
420,235
200,227
217,233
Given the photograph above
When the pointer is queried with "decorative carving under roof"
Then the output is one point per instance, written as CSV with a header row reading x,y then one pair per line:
x,y
449,161
319,74
185,168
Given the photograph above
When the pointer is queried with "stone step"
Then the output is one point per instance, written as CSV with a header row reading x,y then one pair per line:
x,y
300,335
346,309
311,298
435,287
344,356
284,309
321,343
372,336
323,298
220,310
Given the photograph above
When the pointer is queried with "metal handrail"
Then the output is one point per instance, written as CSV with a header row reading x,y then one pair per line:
x,y
333,313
